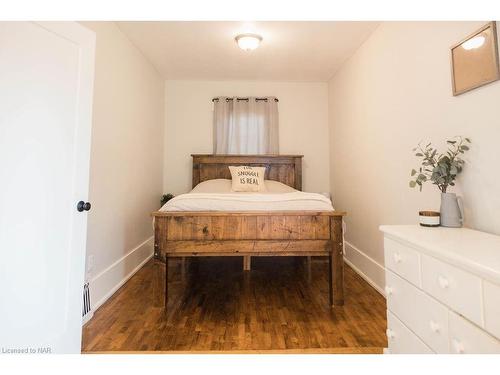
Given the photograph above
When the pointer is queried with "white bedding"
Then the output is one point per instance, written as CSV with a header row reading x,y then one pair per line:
x,y
216,195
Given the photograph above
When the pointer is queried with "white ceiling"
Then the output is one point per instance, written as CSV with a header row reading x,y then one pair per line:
x,y
290,51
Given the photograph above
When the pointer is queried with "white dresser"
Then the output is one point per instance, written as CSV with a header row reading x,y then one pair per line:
x,y
443,290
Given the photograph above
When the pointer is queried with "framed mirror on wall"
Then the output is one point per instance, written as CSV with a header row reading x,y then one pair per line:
x,y
474,60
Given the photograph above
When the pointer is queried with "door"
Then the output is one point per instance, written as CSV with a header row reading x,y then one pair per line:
x,y
46,83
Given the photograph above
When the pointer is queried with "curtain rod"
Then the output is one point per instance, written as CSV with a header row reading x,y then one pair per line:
x,y
246,99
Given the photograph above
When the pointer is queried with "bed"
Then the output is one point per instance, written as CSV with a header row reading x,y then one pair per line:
x,y
228,231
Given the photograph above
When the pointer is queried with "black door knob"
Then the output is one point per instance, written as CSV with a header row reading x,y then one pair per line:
x,y
83,206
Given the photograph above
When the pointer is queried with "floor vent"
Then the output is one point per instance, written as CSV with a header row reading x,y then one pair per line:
x,y
86,300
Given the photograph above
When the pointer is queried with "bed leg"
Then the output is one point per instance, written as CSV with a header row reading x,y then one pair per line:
x,y
157,285
166,282
247,259
309,268
336,264
330,278
183,269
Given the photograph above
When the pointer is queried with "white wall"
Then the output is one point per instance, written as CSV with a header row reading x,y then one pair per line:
x,y
394,92
303,111
126,161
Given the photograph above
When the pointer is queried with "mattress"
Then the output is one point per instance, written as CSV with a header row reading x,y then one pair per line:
x,y
216,195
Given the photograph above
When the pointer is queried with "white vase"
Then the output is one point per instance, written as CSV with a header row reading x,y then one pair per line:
x,y
451,216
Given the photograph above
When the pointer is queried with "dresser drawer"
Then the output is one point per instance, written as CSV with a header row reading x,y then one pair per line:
x,y
454,287
419,312
401,340
466,338
491,295
402,260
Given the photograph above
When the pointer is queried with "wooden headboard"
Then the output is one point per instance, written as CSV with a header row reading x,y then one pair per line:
x,y
286,169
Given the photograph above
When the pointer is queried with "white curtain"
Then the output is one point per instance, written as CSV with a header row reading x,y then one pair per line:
x,y
246,126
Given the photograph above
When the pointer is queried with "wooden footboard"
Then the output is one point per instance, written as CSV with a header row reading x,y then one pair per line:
x,y
284,233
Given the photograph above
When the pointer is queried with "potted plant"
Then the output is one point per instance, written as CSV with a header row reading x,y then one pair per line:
x,y
165,198
442,169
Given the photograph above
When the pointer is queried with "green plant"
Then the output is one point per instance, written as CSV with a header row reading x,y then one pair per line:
x,y
441,169
165,198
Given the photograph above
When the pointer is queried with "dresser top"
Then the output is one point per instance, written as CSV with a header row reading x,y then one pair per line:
x,y
471,250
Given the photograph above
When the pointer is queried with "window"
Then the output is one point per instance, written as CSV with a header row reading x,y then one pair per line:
x,y
246,125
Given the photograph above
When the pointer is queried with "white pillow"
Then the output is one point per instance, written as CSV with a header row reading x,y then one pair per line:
x,y
245,178
223,186
278,187
217,186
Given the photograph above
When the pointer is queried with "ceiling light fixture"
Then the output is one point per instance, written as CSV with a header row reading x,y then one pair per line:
x,y
248,42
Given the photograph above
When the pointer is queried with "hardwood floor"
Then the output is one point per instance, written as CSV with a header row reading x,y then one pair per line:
x,y
280,306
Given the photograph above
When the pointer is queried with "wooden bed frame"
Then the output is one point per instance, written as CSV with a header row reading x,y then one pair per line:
x,y
252,233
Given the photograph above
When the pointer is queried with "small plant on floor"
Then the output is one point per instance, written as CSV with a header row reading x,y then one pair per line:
x,y
441,169
165,198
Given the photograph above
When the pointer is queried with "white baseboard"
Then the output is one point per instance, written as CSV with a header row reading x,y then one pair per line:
x,y
106,283
87,317
366,267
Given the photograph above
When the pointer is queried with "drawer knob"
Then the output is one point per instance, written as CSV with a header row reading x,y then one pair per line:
x,y
458,346
434,326
397,258
388,290
443,282
389,333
